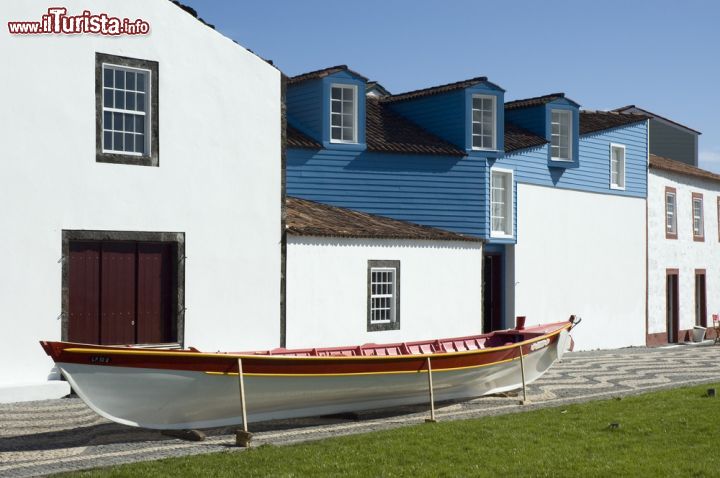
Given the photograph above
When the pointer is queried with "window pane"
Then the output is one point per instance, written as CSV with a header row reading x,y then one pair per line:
x,y
348,134
130,101
108,77
336,106
120,100
117,121
140,79
140,124
108,98
117,141
107,120
336,120
129,142
129,122
130,80
140,100
336,93
336,133
119,79
140,143
107,138
347,94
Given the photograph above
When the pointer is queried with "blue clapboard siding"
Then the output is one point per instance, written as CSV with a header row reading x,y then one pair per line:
x,y
441,114
532,119
305,106
593,173
445,192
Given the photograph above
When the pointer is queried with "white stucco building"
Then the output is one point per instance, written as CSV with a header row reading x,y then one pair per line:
x,y
355,278
139,203
684,250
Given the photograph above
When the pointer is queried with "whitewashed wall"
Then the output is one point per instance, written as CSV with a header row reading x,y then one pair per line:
x,y
218,180
682,253
582,253
440,290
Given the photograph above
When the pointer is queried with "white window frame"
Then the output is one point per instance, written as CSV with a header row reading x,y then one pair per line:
x,y
493,146
147,113
700,218
355,114
671,217
620,184
508,205
569,115
392,296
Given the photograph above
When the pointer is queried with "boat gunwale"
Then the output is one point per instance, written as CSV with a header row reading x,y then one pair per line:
x,y
230,356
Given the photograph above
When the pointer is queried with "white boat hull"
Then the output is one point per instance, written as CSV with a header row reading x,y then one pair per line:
x,y
178,399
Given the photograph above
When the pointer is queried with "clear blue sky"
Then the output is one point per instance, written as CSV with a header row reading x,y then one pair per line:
x,y
659,55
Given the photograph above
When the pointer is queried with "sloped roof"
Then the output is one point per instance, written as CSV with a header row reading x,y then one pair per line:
x,y
666,164
654,115
322,73
535,101
435,90
310,218
519,138
387,131
593,121
297,139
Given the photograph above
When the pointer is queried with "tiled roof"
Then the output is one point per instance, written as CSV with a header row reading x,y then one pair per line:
x,y
536,101
317,74
192,12
309,218
434,90
518,138
592,121
389,132
297,139
651,114
658,162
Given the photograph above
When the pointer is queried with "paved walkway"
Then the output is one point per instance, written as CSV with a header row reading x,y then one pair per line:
x,y
45,437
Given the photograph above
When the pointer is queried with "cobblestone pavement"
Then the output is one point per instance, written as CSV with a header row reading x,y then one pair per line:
x,y
51,436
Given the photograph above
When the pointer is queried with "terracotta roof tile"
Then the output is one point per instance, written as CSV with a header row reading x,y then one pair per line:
x,y
536,101
518,138
317,74
387,131
298,139
592,121
434,90
309,218
665,164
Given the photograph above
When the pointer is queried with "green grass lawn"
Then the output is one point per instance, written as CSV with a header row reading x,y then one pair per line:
x,y
670,433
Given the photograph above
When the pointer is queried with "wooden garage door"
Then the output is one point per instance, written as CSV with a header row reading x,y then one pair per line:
x,y
121,292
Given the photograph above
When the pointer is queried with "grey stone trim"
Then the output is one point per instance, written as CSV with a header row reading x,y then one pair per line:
x,y
153,156
178,238
283,211
395,325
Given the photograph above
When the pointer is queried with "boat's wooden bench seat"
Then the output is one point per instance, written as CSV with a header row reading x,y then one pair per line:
x,y
460,344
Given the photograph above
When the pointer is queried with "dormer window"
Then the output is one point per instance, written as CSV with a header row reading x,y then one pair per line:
x,y
343,114
483,122
561,135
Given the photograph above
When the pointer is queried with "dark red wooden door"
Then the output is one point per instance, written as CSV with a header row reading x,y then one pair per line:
x,y
121,292
154,289
84,285
117,293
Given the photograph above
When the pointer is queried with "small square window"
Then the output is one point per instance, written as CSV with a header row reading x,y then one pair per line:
x,y
127,111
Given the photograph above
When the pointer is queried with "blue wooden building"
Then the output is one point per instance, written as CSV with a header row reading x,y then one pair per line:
x,y
557,193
